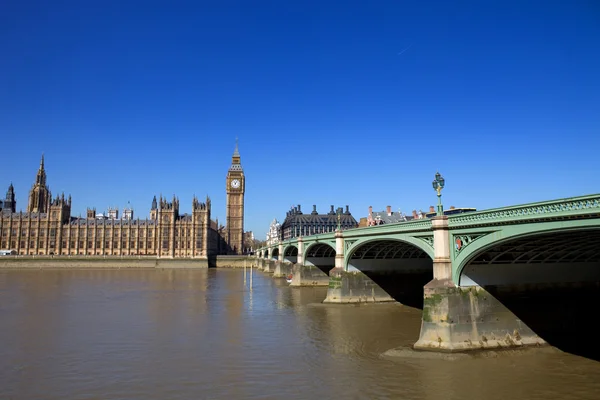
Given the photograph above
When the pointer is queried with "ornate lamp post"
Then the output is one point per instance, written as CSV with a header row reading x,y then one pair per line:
x,y
339,216
438,185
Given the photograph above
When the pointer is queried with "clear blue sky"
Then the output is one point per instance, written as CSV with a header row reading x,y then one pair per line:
x,y
334,102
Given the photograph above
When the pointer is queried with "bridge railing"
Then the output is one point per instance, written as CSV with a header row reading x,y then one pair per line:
x,y
585,206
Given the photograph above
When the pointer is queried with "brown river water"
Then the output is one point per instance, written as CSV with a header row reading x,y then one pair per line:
x,y
207,334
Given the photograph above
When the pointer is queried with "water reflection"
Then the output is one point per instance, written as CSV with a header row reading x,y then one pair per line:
x,y
180,334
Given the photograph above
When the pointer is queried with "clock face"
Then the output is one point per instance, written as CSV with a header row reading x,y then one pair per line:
x,y
235,183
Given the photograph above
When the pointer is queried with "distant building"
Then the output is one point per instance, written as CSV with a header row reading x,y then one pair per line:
x,y
274,233
248,242
48,228
298,224
385,217
389,217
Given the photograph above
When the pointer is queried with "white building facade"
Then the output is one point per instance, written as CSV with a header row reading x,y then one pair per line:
x,y
274,233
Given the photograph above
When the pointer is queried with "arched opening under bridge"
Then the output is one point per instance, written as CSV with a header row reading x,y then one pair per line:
x,y
290,254
400,268
321,255
275,254
550,281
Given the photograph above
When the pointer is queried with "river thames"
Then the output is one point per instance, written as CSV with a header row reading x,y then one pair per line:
x,y
206,334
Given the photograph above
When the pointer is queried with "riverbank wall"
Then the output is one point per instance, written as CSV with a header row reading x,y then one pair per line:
x,y
41,262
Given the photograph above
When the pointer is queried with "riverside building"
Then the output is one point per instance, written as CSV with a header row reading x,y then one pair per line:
x,y
48,228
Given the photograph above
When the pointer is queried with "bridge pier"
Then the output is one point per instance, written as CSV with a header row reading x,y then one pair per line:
x,y
282,269
351,286
269,266
469,318
354,287
464,318
308,275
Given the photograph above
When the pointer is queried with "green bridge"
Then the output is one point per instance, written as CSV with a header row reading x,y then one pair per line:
x,y
479,277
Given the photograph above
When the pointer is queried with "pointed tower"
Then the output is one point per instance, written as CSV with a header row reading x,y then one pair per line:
x,y
236,187
154,210
10,204
39,195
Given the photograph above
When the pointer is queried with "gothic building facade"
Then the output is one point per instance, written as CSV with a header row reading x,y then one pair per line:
x,y
235,188
47,227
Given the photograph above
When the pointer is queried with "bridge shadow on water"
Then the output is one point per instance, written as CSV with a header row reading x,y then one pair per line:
x,y
406,289
563,317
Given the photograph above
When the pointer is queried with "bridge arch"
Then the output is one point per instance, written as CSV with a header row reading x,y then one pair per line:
x,y
275,254
546,274
319,249
558,243
290,253
320,255
399,265
399,243
266,254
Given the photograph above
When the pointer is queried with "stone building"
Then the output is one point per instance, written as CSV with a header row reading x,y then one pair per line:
x,y
390,217
235,188
298,224
274,233
47,227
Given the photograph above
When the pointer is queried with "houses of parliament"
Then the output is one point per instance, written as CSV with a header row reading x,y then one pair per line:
x,y
47,227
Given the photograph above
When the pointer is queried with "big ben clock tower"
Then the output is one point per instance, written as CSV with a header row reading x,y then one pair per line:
x,y
236,186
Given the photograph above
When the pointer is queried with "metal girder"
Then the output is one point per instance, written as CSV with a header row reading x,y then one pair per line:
x,y
320,250
547,248
290,251
387,249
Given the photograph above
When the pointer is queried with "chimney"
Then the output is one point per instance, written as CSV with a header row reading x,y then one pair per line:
x,y
314,211
331,211
299,211
431,209
370,210
347,209
388,209
414,214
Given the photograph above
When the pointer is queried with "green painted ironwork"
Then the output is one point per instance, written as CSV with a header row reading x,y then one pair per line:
x,y
470,233
413,241
511,232
547,210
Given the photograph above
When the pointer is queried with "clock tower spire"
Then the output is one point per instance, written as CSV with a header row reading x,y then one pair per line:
x,y
236,187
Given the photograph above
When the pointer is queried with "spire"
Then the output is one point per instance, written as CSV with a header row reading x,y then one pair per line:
x,y
154,206
10,202
41,174
235,159
236,152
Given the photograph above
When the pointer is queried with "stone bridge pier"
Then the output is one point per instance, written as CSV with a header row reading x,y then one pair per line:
x,y
350,285
456,318
312,264
284,266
